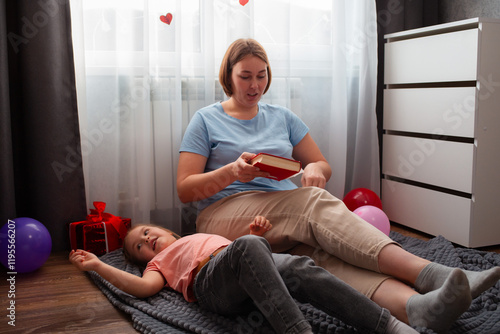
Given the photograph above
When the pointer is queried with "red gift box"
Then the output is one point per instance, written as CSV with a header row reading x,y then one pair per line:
x,y
101,233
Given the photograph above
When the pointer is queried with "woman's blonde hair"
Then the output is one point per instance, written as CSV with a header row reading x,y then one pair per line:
x,y
237,51
126,249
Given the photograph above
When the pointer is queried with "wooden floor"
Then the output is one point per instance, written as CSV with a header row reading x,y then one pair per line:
x,y
420,235
57,298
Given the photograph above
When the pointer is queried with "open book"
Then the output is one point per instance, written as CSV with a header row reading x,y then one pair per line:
x,y
280,168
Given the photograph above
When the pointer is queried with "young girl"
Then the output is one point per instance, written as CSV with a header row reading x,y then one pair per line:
x,y
233,277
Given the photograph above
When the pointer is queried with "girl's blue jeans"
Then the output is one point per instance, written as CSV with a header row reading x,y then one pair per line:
x,y
247,274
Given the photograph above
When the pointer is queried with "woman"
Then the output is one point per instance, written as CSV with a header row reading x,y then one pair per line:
x,y
214,170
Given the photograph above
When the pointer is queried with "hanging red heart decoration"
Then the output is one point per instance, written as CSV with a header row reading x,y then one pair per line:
x,y
243,2
167,18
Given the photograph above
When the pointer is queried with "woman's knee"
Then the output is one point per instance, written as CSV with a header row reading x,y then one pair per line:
x,y
315,192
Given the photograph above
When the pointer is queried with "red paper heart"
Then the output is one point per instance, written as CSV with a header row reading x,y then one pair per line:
x,y
167,18
243,2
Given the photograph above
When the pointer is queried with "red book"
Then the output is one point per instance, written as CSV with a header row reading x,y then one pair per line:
x,y
280,168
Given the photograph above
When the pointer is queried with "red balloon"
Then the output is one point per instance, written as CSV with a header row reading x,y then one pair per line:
x,y
361,197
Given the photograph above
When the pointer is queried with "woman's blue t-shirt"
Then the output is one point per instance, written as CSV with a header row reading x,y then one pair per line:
x,y
222,139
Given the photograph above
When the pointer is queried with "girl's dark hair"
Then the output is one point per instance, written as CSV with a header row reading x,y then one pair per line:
x,y
128,255
238,50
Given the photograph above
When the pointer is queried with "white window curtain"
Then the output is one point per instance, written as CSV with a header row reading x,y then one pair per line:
x,y
145,67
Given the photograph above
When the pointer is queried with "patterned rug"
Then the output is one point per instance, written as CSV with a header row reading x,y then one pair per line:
x,y
168,312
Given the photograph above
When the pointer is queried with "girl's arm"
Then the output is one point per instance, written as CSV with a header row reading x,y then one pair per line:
x,y
193,184
141,287
317,170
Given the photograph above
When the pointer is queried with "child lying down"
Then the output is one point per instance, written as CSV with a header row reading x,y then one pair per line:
x,y
233,277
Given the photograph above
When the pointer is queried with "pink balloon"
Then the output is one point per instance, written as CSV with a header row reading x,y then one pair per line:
x,y
375,217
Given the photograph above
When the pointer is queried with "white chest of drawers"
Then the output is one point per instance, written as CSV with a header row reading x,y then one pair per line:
x,y
441,141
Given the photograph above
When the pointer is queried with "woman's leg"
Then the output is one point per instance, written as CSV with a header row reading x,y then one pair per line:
x,y
231,216
401,300
436,310
427,276
245,272
309,283
307,215
314,217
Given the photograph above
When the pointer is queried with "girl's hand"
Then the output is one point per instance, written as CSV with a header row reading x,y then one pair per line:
x,y
244,171
260,225
83,260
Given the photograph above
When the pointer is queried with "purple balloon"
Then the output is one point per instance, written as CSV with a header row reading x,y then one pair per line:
x,y
25,245
375,216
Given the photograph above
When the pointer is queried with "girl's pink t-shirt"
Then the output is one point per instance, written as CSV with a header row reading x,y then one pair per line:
x,y
178,262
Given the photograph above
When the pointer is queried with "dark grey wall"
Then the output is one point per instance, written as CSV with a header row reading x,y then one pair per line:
x,y
455,10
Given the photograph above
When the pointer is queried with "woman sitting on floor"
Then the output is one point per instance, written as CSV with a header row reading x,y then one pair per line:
x,y
214,170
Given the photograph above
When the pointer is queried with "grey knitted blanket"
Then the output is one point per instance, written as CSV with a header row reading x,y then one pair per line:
x,y
168,312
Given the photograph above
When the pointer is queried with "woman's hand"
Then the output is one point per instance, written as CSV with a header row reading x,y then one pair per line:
x,y
244,171
83,260
260,225
313,175
194,184
317,171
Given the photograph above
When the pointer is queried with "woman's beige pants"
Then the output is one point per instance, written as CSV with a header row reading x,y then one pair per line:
x,y
306,221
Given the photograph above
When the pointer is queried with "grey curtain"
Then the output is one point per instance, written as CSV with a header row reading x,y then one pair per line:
x,y
41,163
394,16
